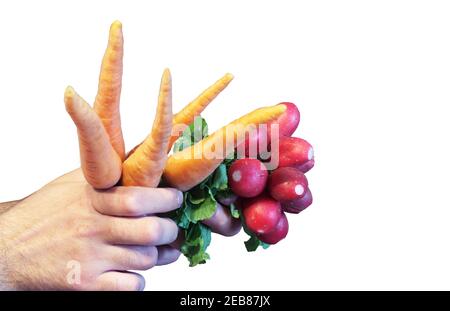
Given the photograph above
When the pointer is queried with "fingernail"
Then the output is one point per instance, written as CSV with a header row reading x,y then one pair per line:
x,y
180,198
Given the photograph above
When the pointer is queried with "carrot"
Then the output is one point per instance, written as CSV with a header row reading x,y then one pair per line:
x,y
100,163
107,100
145,165
186,116
189,167
194,108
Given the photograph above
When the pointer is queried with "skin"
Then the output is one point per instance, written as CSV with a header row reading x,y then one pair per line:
x,y
67,221
7,205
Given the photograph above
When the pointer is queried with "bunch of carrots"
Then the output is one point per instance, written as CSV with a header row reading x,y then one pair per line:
x,y
104,161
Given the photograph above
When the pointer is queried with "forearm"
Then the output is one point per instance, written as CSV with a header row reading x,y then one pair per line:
x,y
7,205
5,283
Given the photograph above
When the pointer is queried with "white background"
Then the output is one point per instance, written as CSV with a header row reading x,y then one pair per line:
x,y
371,79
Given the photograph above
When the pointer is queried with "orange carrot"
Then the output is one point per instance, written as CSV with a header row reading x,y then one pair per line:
x,y
189,167
194,108
145,165
107,100
99,161
186,116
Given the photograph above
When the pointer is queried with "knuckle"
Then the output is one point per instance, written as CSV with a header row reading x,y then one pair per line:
x,y
86,228
149,258
153,230
173,230
128,203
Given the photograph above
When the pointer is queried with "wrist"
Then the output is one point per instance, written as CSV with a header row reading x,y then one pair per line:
x,y
5,275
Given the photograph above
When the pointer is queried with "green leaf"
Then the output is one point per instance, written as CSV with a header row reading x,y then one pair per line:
x,y
203,211
197,240
198,258
264,245
183,220
252,244
195,132
220,178
234,211
205,182
199,129
181,143
197,195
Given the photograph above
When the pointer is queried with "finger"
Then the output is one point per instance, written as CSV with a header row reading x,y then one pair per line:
x,y
149,230
136,201
107,101
132,257
223,223
167,254
101,165
120,281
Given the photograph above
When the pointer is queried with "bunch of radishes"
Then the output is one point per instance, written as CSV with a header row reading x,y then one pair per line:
x,y
264,196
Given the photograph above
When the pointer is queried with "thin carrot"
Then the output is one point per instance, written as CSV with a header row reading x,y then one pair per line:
x,y
189,167
145,166
186,116
100,163
194,108
107,100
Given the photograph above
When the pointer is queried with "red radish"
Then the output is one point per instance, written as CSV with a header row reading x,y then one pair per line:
x,y
294,151
287,124
261,214
247,177
305,167
298,205
287,183
227,199
289,120
258,141
278,233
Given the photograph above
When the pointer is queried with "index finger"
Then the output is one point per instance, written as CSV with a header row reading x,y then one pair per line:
x,y
136,201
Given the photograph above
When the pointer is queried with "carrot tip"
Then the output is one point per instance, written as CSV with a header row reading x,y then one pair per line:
x,y
228,76
166,77
116,25
69,92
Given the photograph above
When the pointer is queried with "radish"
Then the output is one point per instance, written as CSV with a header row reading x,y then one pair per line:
x,y
247,177
261,214
287,183
293,151
305,167
226,199
260,140
278,233
289,120
298,205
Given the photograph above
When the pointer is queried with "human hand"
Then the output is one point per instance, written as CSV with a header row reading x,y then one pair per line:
x,y
69,236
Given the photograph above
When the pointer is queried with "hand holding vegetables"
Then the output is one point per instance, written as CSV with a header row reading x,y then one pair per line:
x,y
207,169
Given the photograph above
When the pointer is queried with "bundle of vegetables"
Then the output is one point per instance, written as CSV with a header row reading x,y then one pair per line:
x,y
208,183
253,193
